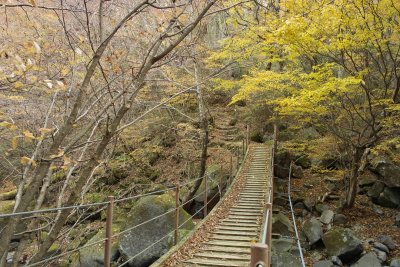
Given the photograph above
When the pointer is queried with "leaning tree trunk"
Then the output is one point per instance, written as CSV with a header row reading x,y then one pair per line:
x,y
204,136
359,161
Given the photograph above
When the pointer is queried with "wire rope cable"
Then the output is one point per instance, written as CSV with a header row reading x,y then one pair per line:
x,y
294,218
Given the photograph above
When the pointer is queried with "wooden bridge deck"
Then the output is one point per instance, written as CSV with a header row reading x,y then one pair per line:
x,y
229,244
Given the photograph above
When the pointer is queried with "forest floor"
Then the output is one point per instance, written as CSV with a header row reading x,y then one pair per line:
x,y
362,219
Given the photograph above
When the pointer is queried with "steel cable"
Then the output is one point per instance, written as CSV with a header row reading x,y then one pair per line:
x,y
294,218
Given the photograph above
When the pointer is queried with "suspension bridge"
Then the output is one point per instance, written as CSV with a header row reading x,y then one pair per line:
x,y
236,233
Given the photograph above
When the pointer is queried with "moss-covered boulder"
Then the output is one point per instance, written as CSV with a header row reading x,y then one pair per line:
x,y
6,206
93,256
214,174
284,259
343,243
151,239
387,170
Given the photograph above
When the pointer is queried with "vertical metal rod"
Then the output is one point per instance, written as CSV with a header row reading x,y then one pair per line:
x,y
177,204
238,159
275,137
247,136
107,245
205,195
243,147
221,181
231,170
260,255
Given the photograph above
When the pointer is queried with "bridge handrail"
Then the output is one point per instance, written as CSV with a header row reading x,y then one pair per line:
x,y
94,204
261,252
111,201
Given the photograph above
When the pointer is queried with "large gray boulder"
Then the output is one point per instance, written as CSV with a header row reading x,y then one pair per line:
x,y
153,236
93,256
390,197
343,243
214,174
387,170
312,230
387,241
327,216
282,163
285,259
325,263
283,244
375,190
367,179
368,260
297,171
320,207
395,263
281,224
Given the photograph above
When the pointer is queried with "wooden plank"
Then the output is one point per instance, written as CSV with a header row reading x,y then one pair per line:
x,y
224,256
235,244
216,263
236,233
227,249
252,229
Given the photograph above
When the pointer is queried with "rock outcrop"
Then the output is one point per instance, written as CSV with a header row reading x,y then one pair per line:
x,y
312,230
343,243
149,235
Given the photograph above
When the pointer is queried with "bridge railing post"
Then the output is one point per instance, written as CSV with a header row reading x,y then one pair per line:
x,y
177,205
108,240
205,195
238,159
243,147
247,136
221,181
231,170
260,255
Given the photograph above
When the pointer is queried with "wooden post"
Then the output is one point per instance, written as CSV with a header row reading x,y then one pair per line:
x,y
231,170
243,148
177,204
247,136
107,245
238,159
205,195
260,255
221,182
275,137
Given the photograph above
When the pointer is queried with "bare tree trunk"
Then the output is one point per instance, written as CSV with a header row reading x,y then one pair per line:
x,y
359,161
204,135
111,131
396,92
101,20
64,131
75,194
